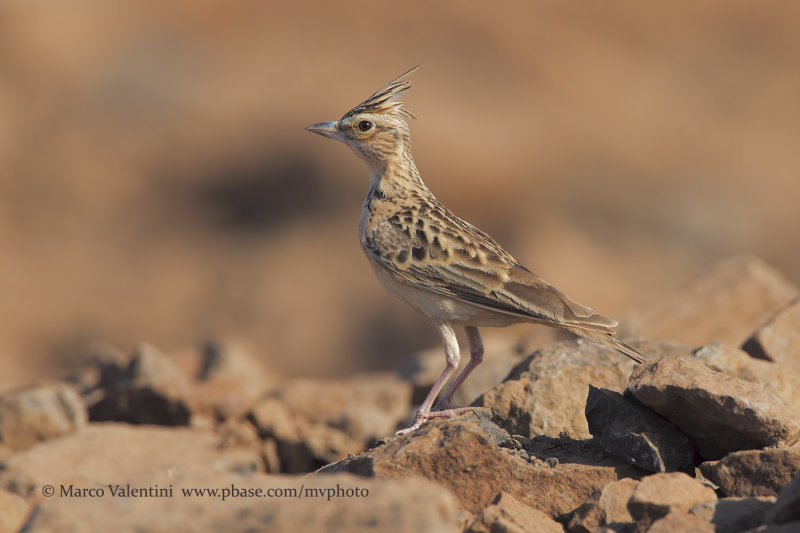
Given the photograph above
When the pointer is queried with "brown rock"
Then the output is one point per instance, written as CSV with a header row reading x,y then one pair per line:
x,y
658,495
605,507
507,514
151,390
683,522
725,304
779,339
28,416
770,376
340,503
115,453
734,515
546,393
627,429
721,414
14,511
787,506
753,472
317,422
551,475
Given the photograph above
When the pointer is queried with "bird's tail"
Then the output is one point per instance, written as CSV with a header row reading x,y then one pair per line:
x,y
607,339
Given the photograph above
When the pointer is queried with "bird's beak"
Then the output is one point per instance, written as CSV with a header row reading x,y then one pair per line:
x,y
327,129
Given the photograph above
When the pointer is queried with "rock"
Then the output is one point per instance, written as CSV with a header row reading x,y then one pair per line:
x,y
779,339
425,368
455,452
658,495
634,433
340,503
683,522
230,380
506,514
28,416
753,472
103,453
721,414
151,390
317,422
14,511
546,393
787,506
605,507
734,515
789,527
725,304
770,376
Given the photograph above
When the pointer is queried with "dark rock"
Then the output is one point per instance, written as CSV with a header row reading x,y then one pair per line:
x,y
152,390
734,515
634,433
787,506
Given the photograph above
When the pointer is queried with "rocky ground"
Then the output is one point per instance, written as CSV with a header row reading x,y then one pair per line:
x,y
571,437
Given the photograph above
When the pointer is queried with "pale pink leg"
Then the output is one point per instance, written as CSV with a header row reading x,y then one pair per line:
x,y
475,358
451,353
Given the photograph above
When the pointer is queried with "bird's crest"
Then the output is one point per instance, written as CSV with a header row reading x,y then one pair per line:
x,y
383,100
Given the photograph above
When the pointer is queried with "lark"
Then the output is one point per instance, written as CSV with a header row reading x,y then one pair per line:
x,y
448,269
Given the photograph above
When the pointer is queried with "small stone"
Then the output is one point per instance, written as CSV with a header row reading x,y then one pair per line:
x,y
753,472
507,514
658,495
734,515
28,416
787,506
721,414
634,433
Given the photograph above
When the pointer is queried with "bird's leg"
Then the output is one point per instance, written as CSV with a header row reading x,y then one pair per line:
x,y
452,355
475,358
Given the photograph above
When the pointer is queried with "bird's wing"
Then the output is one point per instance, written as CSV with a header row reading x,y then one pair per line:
x,y
438,252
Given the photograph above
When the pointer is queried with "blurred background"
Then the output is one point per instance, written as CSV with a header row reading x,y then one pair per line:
x,y
156,182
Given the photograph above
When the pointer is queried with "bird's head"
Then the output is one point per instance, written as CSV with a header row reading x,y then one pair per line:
x,y
377,128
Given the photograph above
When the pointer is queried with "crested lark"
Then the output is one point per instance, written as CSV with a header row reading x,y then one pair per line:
x,y
445,267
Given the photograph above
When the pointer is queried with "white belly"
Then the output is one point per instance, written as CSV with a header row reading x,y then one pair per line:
x,y
440,307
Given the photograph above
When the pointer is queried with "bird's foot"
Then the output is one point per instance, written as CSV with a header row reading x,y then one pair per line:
x,y
423,416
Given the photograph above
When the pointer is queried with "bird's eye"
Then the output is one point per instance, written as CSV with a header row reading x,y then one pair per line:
x,y
364,125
